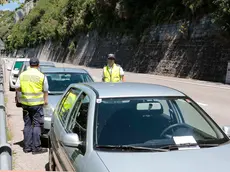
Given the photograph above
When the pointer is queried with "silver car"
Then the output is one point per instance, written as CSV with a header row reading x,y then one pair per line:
x,y
42,64
59,79
134,127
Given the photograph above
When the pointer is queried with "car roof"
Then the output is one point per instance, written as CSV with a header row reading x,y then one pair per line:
x,y
132,89
22,59
43,63
62,69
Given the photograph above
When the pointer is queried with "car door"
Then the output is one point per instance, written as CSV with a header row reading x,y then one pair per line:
x,y
59,122
77,123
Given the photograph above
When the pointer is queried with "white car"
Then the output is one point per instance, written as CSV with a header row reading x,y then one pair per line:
x,y
18,63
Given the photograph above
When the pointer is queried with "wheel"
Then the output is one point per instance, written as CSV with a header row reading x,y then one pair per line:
x,y
10,88
52,166
44,142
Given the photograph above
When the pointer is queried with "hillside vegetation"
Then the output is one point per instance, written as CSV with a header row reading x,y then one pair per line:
x,y
6,23
63,19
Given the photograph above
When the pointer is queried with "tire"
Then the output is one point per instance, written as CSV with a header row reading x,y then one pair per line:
x,y
52,165
11,89
44,142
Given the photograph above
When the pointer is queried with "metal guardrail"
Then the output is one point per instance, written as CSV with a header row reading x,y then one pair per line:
x,y
5,148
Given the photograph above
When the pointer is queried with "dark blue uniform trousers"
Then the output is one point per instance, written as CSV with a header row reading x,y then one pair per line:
x,y
33,120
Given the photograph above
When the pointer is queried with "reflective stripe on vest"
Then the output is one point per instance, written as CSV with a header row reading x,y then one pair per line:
x,y
114,76
33,94
32,100
31,82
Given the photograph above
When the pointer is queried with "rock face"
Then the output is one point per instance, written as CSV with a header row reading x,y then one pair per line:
x,y
181,50
21,13
2,45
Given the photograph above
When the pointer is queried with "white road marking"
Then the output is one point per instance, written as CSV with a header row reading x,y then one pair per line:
x,y
202,104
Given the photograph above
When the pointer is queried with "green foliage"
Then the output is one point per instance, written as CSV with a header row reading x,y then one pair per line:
x,y
51,19
6,23
72,46
222,14
8,1
63,19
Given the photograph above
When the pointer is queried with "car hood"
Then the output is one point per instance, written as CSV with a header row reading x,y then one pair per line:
x,y
53,100
199,160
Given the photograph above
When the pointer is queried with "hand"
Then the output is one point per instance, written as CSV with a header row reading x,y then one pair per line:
x,y
46,103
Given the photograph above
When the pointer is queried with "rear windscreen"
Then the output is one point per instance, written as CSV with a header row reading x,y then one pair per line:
x,y
18,65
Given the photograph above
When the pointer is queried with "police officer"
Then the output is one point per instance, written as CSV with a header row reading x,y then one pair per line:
x,y
33,86
68,103
112,72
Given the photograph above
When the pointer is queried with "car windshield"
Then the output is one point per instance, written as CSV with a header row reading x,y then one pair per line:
x,y
18,65
153,122
58,82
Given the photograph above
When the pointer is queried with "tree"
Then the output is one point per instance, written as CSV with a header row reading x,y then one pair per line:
x,y
7,1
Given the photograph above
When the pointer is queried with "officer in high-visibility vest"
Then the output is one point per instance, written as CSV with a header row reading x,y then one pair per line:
x,y
69,102
112,72
33,86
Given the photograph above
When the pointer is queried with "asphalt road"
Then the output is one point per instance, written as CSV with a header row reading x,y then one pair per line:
x,y
214,98
21,161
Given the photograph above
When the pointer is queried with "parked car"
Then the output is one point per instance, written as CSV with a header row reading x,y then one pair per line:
x,y
14,72
25,66
134,127
59,79
43,64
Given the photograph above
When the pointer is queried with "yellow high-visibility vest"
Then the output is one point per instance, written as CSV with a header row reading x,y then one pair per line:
x,y
114,76
69,102
31,82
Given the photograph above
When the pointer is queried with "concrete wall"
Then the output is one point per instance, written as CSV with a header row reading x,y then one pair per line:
x,y
194,52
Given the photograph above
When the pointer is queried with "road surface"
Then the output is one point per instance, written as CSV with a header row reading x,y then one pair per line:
x,y
21,161
214,98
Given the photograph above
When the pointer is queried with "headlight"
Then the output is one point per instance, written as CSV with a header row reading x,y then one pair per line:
x,y
48,110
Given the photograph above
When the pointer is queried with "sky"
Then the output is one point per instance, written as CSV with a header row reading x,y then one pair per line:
x,y
10,6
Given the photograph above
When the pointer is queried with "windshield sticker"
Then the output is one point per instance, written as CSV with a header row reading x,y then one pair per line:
x,y
99,100
186,142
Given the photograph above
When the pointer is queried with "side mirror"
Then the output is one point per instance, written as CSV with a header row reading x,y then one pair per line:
x,y
70,140
226,130
9,69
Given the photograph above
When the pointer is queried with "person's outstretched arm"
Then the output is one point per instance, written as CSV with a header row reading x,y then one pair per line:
x,y
122,74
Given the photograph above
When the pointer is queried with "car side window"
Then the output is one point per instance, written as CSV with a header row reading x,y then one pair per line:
x,y
77,122
193,118
66,104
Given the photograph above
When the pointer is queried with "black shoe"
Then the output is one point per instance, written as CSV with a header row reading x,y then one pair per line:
x,y
27,150
40,151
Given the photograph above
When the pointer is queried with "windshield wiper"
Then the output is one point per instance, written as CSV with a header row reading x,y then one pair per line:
x,y
128,147
172,147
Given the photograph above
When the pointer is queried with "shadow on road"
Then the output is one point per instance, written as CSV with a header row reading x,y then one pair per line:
x,y
43,141
20,143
